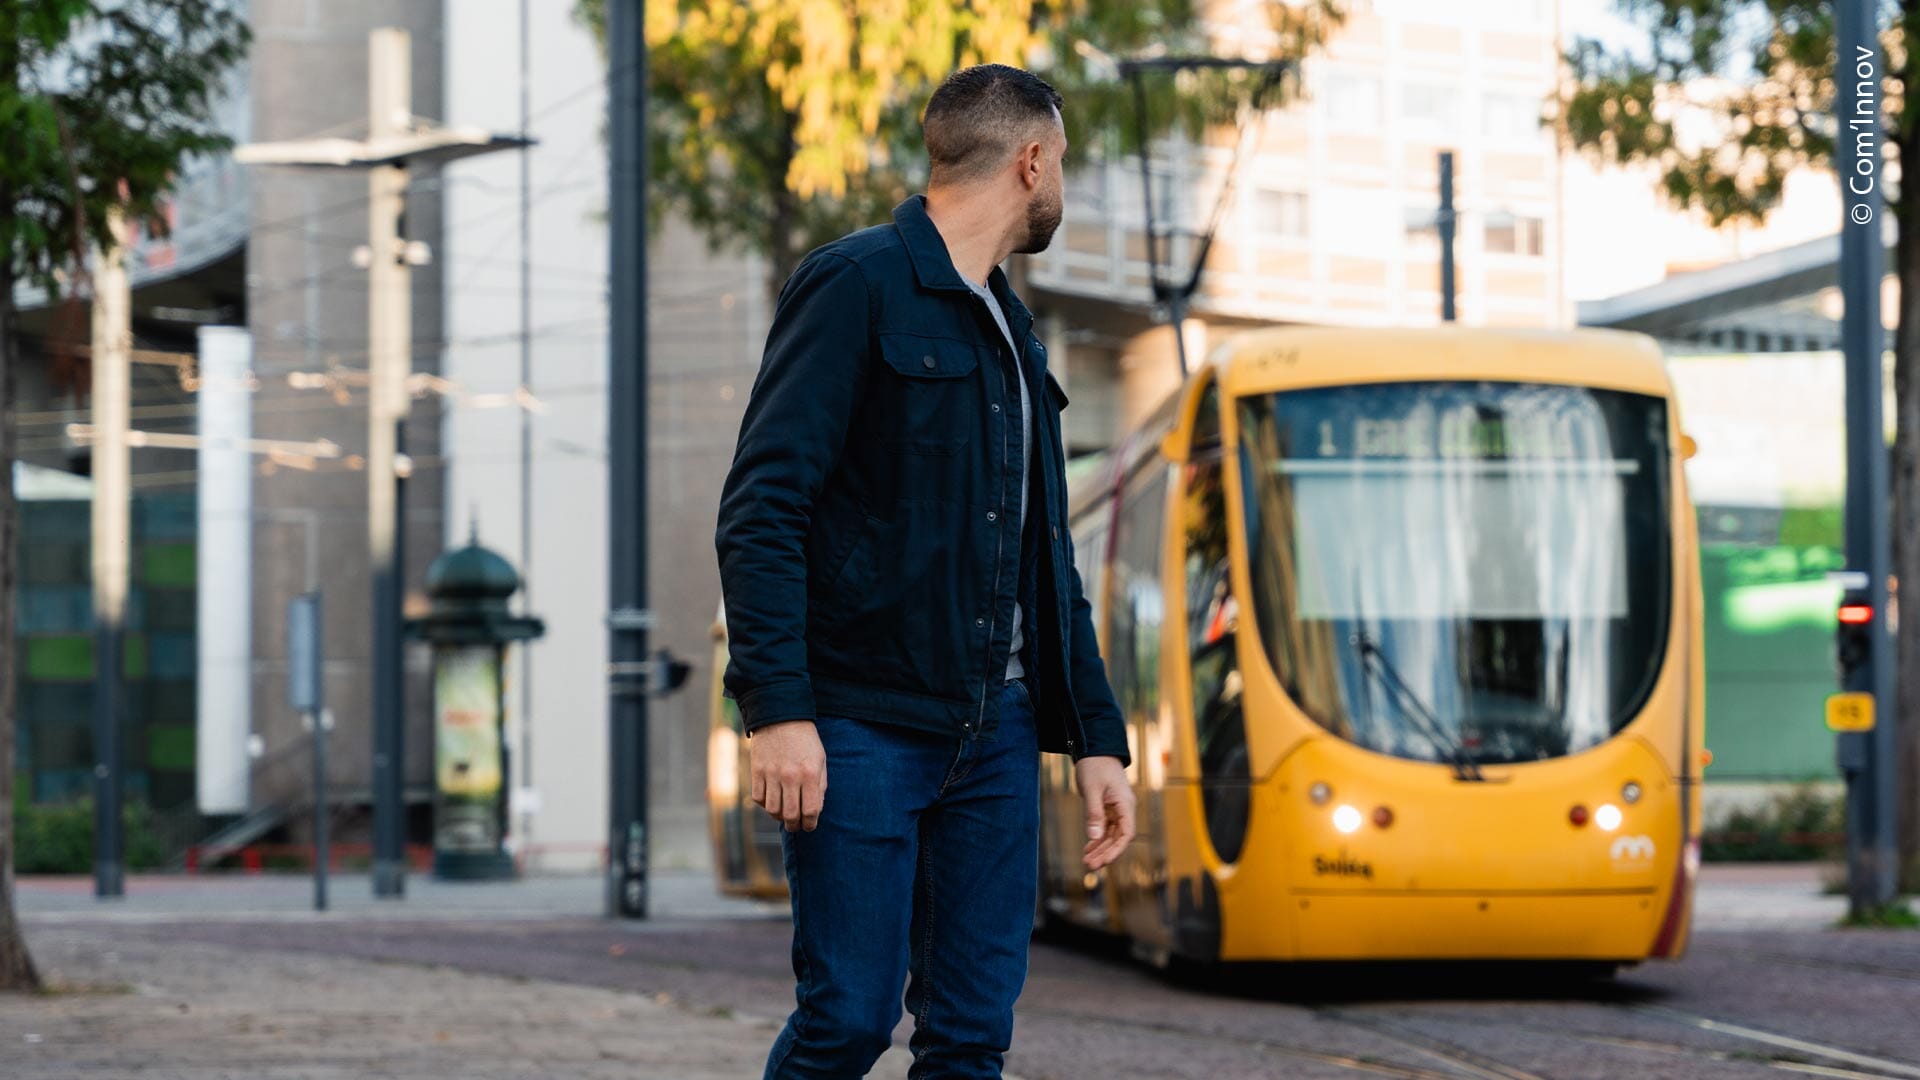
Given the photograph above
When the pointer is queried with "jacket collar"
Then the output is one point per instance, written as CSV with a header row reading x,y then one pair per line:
x,y
933,265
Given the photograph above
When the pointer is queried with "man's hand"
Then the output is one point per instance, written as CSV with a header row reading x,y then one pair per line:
x,y
790,773
1109,799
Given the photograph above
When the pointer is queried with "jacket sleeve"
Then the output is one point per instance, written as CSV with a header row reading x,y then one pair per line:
x,y
1100,720
794,428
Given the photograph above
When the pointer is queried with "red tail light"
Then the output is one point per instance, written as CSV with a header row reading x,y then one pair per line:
x,y
1382,817
1577,815
1856,614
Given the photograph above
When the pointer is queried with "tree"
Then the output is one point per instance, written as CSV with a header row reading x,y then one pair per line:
x,y
778,125
100,102
1760,72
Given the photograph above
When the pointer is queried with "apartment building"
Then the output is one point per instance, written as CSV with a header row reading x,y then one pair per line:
x,y
1331,214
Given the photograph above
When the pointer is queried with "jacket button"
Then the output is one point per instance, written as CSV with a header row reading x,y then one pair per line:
x,y
991,516
928,361
1056,532
996,406
980,622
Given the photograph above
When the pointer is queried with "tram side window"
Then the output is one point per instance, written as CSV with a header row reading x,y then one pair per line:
x,y
1212,619
1089,557
1133,639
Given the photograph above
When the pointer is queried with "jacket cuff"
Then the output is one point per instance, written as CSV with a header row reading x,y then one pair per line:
x,y
775,703
1107,738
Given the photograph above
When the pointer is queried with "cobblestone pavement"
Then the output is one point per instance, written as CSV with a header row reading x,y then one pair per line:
x,y
527,980
158,1009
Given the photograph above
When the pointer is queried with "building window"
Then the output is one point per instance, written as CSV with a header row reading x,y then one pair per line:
x,y
1430,107
1087,189
1423,227
1353,102
1511,234
1510,116
1278,213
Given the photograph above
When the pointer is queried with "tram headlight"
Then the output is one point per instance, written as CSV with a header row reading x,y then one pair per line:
x,y
1319,793
1346,818
1607,817
1630,792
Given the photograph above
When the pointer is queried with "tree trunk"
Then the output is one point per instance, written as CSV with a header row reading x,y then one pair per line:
x,y
16,966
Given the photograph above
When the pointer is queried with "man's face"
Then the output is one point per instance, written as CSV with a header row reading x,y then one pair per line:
x,y
1048,200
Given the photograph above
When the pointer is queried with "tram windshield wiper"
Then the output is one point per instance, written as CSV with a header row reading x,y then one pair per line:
x,y
1373,660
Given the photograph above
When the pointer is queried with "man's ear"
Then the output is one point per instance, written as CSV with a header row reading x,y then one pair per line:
x,y
1033,164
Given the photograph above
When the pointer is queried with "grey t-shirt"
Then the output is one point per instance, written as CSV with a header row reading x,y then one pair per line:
x,y
1014,668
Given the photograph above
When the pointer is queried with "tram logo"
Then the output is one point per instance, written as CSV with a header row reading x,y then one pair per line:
x,y
1633,849
1342,865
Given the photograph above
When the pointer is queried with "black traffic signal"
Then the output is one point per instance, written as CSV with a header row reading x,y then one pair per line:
x,y
1853,633
669,673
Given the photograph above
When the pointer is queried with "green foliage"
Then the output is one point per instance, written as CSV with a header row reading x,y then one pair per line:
x,y
1725,98
778,125
1898,915
58,839
1794,826
99,104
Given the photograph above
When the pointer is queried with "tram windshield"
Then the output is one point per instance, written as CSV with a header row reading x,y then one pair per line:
x,y
1460,572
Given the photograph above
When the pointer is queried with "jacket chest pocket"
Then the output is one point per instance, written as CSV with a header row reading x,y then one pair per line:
x,y
928,395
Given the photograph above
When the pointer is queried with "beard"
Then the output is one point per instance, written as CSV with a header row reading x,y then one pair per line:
x,y
1043,218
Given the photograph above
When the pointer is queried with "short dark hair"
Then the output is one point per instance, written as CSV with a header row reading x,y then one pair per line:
x,y
980,114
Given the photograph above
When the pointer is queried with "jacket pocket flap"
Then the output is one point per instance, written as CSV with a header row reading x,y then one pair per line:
x,y
929,358
1059,394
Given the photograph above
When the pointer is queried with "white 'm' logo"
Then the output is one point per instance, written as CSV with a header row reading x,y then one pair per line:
x,y
1633,847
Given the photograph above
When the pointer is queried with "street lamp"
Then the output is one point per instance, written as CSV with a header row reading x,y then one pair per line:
x,y
395,141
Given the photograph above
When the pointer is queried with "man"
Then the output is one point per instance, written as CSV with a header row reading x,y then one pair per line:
x,y
904,617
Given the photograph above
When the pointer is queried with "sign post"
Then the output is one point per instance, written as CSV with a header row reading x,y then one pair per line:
x,y
305,693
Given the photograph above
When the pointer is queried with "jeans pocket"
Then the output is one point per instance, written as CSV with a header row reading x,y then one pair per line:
x,y
1017,693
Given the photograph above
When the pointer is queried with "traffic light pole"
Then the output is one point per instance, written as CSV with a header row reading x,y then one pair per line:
x,y
628,619
1866,758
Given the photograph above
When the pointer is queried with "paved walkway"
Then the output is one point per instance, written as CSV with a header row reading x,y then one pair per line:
x,y
1731,896
677,894
142,999
155,1010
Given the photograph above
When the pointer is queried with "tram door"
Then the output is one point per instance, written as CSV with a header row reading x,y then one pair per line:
x,y
1205,647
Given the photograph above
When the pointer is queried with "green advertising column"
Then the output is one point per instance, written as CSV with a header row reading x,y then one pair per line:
x,y
470,626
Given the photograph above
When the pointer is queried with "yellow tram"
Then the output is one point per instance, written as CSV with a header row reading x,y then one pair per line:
x,y
1406,628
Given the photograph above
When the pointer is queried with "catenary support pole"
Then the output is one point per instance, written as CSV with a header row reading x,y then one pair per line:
x,y
1445,221
389,319
523,828
628,618
112,535
1866,758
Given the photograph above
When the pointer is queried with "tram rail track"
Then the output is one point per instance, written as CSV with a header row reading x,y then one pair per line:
x,y
1812,1057
1815,963
1358,1063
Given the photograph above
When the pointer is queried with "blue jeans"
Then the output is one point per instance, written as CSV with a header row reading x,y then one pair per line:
x,y
924,865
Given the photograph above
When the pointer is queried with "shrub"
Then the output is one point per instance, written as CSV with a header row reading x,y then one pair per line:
x,y
1799,825
57,838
